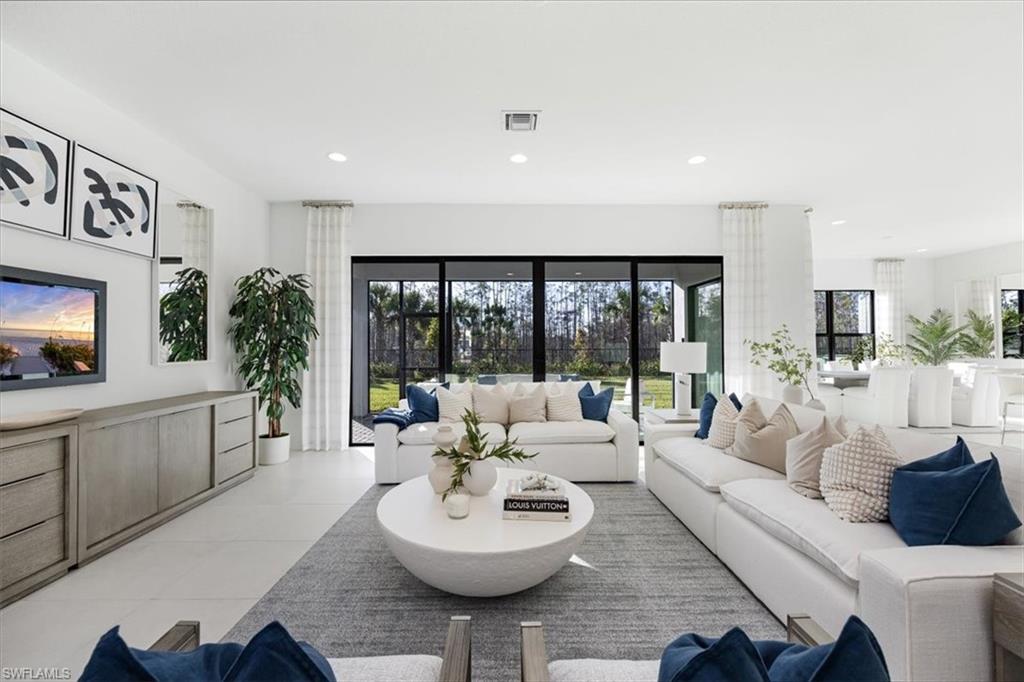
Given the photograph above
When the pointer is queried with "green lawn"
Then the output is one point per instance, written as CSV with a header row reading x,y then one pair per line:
x,y
384,393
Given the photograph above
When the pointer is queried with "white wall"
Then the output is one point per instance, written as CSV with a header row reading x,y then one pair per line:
x,y
554,230
859,273
1007,259
240,233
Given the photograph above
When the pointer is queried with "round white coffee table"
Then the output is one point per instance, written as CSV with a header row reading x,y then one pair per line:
x,y
482,555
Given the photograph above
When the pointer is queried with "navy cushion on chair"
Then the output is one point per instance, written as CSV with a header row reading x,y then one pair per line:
x,y
596,407
271,654
707,408
735,401
947,499
422,404
855,655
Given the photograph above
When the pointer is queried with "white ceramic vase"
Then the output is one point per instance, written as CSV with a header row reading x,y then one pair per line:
x,y
792,394
440,476
275,450
480,478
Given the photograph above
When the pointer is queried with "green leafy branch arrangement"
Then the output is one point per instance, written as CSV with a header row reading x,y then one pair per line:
x,y
781,356
473,448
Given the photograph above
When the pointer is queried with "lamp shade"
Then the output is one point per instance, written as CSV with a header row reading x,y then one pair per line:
x,y
684,357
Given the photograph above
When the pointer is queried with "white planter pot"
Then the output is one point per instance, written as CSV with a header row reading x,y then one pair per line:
x,y
792,394
275,450
440,476
481,477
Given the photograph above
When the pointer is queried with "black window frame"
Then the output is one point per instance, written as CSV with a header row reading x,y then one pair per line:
x,y
1020,328
830,334
539,309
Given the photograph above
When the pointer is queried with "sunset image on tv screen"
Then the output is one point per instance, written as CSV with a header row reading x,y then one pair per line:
x,y
46,330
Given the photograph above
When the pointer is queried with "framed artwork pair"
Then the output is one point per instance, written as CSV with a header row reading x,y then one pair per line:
x,y
50,184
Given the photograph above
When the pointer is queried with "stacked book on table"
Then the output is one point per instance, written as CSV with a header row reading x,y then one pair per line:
x,y
531,504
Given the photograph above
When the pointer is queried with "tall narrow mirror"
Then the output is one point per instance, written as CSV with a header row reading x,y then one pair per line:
x,y
182,280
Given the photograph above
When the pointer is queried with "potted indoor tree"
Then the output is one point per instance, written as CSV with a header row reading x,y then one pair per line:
x,y
789,363
935,341
272,322
183,317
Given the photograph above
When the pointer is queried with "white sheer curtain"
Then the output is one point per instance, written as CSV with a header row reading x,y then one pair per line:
x,y
325,396
744,298
195,236
890,317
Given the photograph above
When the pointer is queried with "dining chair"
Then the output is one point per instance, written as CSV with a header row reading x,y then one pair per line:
x,y
1011,392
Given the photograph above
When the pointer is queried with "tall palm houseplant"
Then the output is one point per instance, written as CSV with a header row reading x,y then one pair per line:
x,y
272,322
935,341
979,338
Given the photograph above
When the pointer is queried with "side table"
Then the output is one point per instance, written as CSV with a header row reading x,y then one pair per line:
x,y
1008,625
669,416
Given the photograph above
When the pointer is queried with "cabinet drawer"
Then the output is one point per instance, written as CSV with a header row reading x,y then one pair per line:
x,y
233,434
23,461
236,409
31,550
235,461
30,501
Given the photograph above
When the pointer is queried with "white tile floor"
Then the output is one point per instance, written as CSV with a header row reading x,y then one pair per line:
x,y
211,564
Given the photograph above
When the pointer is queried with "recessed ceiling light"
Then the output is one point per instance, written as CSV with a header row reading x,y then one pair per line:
x,y
921,250
838,222
337,156
509,274
517,158
578,274
695,160
887,236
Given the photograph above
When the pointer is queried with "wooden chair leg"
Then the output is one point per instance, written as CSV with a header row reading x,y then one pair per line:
x,y
184,636
456,664
802,629
533,656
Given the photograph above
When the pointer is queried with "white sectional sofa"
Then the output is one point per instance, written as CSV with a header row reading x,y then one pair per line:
x,y
577,451
930,607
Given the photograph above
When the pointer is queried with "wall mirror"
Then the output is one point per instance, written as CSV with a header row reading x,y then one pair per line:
x,y
181,279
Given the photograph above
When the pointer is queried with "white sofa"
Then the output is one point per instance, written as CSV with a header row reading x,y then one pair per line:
x,y
576,451
930,607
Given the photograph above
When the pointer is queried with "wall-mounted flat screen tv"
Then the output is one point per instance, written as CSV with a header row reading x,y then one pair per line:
x,y
52,329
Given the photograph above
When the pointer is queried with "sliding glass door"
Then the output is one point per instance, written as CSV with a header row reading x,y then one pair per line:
x,y
502,320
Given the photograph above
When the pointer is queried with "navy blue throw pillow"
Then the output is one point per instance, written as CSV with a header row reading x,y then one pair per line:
x,y
948,499
422,404
596,407
855,655
735,401
270,654
707,408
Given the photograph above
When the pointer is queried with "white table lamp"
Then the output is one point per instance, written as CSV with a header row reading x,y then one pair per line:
x,y
684,358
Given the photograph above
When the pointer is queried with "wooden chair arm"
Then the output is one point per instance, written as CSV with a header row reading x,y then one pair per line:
x,y
455,664
184,636
533,656
802,629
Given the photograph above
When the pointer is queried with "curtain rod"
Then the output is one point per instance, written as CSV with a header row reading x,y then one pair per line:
x,y
324,204
743,204
191,204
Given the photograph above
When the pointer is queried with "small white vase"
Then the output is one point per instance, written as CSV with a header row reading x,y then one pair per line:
x,y
440,476
275,450
457,506
480,478
792,394
444,437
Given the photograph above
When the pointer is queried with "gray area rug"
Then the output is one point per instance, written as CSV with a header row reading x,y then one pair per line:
x,y
646,579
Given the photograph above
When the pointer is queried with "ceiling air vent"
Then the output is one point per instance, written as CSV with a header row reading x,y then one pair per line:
x,y
520,121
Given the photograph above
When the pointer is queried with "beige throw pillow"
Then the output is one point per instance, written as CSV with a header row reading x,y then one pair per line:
x,y
804,454
528,404
452,404
723,423
765,445
564,406
491,403
856,476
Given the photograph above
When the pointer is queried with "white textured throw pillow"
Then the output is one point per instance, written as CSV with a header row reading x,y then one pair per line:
x,y
491,403
451,405
805,452
527,404
565,406
723,423
856,476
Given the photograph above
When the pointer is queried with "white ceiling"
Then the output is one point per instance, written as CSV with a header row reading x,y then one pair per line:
x,y
905,119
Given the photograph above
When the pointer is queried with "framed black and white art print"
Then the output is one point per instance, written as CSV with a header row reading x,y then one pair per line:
x,y
33,176
112,205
